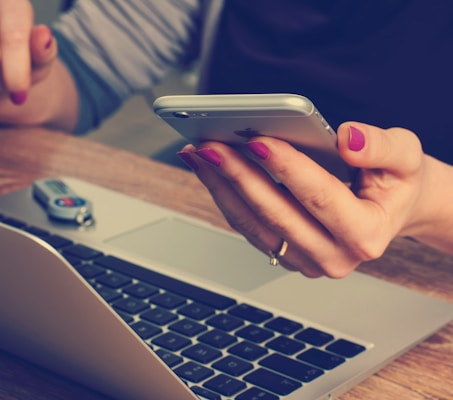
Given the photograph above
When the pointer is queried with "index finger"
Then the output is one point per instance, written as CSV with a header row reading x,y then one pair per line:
x,y
325,197
16,23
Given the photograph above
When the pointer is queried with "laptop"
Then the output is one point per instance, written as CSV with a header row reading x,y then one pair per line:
x,y
148,303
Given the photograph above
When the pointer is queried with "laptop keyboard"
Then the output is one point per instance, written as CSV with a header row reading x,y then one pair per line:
x,y
220,347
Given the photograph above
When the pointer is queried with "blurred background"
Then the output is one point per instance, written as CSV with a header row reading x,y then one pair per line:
x,y
134,127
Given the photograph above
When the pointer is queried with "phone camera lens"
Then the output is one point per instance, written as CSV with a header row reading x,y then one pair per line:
x,y
181,114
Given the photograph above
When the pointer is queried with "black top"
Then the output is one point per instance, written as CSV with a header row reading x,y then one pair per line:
x,y
386,63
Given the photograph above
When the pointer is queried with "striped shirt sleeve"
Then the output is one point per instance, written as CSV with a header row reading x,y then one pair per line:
x,y
117,48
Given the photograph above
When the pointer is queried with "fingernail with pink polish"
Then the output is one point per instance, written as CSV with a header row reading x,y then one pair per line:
x,y
187,158
259,149
211,156
18,98
356,139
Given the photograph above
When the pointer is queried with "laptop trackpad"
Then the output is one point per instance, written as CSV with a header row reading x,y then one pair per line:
x,y
195,249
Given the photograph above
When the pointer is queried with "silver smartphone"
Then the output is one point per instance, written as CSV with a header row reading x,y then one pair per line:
x,y
235,118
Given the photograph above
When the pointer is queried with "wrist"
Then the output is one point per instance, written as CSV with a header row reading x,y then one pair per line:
x,y
432,217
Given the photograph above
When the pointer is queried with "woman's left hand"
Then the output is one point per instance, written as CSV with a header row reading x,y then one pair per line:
x,y
330,228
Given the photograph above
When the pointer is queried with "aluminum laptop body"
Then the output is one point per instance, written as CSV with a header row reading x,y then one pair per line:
x,y
53,317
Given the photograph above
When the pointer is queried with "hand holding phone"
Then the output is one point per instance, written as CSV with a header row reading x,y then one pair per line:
x,y
234,119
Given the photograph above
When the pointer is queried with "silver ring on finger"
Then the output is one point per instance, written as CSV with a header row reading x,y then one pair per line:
x,y
275,256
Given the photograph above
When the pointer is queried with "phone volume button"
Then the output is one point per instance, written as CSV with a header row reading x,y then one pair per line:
x,y
330,130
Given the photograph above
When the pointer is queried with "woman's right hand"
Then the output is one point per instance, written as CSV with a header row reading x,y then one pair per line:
x,y
28,53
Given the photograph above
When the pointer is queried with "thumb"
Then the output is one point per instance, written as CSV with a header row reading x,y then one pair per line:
x,y
43,48
396,150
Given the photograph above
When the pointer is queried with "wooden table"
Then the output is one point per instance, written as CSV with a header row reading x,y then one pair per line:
x,y
426,372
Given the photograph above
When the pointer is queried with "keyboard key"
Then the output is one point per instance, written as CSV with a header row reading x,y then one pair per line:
x,y
225,385
168,300
187,327
126,317
193,372
57,241
250,313
182,288
321,358
159,316
205,393
37,231
169,358
145,330
255,393
74,261
130,305
106,293
201,353
196,311
294,369
284,325
172,341
345,348
141,290
217,338
314,336
273,382
114,280
82,252
254,333
89,271
285,345
233,366
248,351
225,322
